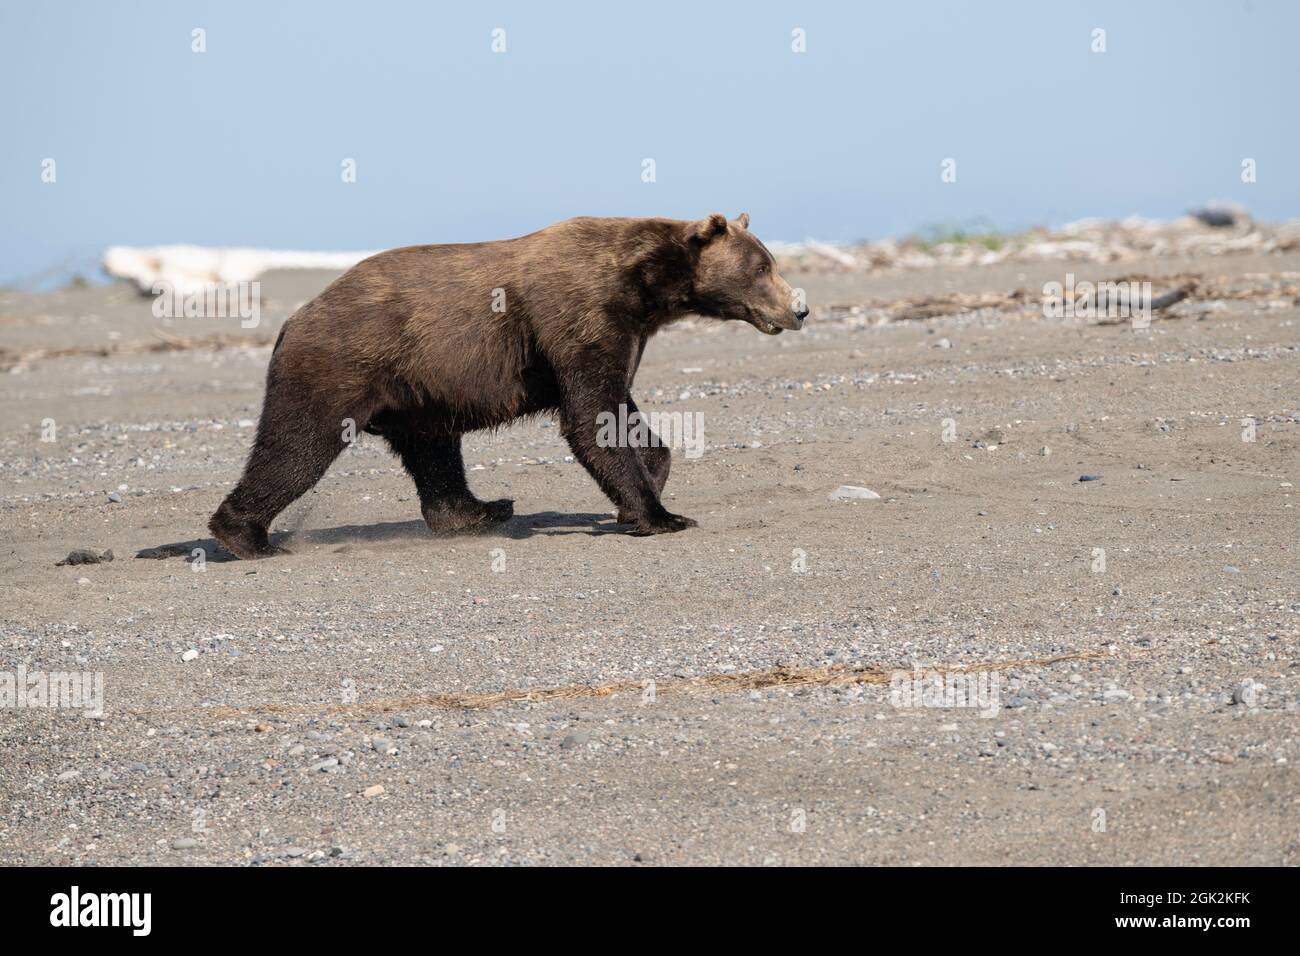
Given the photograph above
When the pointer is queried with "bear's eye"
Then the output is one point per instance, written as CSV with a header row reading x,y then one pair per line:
x,y
764,269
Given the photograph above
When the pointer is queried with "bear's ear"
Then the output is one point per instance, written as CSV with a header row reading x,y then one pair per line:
x,y
743,220
709,227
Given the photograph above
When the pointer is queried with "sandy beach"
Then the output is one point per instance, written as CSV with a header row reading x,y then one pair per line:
x,y
554,691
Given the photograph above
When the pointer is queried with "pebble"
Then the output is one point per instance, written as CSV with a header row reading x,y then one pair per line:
x,y
184,843
326,766
114,497
85,556
69,775
1090,477
190,655
853,493
1247,693
374,791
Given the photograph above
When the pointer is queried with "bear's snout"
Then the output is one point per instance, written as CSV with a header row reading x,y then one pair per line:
x,y
791,319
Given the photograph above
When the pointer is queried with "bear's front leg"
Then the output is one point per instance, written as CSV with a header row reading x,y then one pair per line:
x,y
656,458
618,468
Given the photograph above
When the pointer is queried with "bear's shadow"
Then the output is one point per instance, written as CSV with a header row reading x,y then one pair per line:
x,y
548,523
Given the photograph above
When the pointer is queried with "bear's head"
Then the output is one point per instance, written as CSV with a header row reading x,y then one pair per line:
x,y
734,277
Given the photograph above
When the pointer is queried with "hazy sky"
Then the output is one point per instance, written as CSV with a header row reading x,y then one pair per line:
x,y
243,144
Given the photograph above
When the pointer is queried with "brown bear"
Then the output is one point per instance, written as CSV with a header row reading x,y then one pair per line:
x,y
425,343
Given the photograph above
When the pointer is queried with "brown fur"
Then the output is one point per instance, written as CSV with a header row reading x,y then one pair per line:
x,y
406,345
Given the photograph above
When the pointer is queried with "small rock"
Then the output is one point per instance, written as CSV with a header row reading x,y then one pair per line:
x,y
1218,216
86,556
853,493
1044,451
1247,693
374,791
943,344
184,843
114,497
69,775
326,766
1090,477
190,655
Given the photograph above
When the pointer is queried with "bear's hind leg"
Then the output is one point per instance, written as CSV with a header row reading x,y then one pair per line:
x,y
291,453
433,459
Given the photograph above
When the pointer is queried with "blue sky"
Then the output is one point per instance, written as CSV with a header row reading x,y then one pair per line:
x,y
243,144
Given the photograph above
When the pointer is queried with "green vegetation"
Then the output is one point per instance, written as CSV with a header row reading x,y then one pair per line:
x,y
977,232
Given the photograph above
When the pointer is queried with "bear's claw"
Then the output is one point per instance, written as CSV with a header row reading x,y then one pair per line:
x,y
471,516
668,524
503,509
